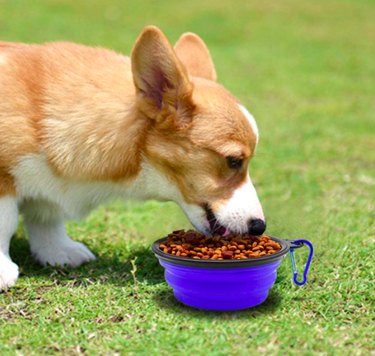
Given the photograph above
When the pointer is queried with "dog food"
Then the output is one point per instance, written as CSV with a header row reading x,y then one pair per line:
x,y
195,245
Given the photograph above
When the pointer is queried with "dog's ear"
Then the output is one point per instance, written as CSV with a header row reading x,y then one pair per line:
x,y
194,54
161,81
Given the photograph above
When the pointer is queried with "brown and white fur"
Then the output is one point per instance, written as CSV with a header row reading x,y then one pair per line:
x,y
80,126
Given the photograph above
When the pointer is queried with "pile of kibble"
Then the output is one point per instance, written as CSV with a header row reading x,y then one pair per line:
x,y
193,244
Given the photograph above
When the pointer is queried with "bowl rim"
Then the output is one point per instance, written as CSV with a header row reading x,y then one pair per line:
x,y
222,264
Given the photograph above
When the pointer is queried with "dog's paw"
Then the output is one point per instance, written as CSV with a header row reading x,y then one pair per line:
x,y
63,253
8,273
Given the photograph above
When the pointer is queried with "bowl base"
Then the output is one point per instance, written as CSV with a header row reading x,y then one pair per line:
x,y
220,305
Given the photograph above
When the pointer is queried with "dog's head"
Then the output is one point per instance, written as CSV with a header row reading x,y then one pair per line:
x,y
199,136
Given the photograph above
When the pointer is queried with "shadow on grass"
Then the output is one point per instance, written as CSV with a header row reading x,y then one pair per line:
x,y
166,300
119,269
139,266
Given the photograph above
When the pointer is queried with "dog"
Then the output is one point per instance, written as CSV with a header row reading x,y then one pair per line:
x,y
80,126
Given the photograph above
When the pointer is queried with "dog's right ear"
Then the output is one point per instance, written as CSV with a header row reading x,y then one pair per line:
x,y
194,54
160,78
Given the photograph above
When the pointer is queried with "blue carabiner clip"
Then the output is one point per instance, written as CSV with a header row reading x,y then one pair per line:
x,y
300,243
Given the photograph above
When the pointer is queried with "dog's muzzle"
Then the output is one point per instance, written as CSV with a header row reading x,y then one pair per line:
x,y
215,226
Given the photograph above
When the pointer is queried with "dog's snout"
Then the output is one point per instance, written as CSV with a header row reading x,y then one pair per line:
x,y
256,226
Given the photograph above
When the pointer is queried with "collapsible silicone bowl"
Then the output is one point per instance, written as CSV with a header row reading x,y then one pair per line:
x,y
226,284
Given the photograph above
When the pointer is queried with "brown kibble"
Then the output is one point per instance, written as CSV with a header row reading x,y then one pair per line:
x,y
191,238
192,244
227,254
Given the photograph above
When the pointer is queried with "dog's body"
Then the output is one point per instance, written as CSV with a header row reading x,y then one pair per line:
x,y
80,126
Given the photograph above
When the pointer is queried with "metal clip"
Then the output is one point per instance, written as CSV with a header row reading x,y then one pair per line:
x,y
300,243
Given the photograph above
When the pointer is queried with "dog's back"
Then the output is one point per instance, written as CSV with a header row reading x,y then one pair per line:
x,y
52,94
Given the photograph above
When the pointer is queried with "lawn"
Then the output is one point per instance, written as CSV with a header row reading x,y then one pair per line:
x,y
306,70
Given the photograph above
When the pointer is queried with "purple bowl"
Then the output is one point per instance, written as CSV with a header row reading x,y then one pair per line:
x,y
221,284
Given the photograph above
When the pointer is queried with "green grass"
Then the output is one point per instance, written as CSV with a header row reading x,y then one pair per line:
x,y
306,70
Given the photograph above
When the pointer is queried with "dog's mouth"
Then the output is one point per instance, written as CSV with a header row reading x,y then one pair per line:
x,y
215,227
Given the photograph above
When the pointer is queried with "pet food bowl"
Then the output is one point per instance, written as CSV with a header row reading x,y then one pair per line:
x,y
227,284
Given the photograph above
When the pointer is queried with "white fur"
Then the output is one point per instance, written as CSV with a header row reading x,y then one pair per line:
x,y
8,272
3,59
50,244
8,226
251,120
243,206
73,199
196,215
36,182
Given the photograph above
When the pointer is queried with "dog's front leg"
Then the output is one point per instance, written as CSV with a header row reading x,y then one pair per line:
x,y
8,226
50,244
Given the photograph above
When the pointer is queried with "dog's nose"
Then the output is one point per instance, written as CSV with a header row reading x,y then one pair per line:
x,y
257,226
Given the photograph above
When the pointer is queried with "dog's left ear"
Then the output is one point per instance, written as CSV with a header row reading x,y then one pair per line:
x,y
194,54
161,81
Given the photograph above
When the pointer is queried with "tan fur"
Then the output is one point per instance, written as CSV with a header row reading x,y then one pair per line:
x,y
195,158
194,54
75,104
95,114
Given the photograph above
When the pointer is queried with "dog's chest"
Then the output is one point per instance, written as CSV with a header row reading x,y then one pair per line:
x,y
76,198
35,180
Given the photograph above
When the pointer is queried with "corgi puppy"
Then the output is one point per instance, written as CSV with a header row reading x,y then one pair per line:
x,y
80,126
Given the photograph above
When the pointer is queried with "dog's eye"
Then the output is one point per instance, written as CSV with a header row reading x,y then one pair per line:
x,y
234,162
